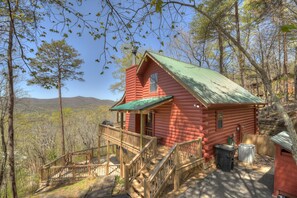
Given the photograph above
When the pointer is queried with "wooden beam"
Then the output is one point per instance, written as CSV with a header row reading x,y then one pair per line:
x,y
121,148
107,158
142,128
176,181
122,120
99,145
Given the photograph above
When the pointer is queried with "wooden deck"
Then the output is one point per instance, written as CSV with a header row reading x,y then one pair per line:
x,y
80,164
147,169
175,161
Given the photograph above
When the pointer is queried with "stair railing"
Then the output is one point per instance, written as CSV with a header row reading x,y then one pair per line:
x,y
133,168
181,157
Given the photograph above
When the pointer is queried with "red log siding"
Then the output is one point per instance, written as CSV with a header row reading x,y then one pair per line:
x,y
178,120
285,174
130,122
245,116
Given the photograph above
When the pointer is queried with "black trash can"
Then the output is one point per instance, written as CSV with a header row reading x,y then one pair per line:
x,y
225,157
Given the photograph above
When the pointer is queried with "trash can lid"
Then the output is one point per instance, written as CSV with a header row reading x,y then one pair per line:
x,y
225,147
246,145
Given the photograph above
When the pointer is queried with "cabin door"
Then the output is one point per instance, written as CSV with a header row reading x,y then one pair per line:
x,y
149,124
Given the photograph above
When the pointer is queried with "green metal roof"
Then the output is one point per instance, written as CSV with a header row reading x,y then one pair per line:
x,y
142,104
207,85
283,139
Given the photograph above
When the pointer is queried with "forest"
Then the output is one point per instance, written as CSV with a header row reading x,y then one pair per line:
x,y
252,42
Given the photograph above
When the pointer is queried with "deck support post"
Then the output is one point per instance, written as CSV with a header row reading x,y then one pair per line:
x,y
99,146
142,125
121,148
126,177
107,157
177,172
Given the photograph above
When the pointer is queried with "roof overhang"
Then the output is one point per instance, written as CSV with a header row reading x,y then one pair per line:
x,y
121,101
142,105
226,105
283,139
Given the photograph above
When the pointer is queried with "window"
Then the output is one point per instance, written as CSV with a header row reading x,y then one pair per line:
x,y
153,82
219,120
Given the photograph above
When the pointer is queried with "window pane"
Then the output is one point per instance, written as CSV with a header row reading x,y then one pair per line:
x,y
153,82
220,120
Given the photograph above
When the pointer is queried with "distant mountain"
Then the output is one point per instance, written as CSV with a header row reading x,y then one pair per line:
x,y
35,104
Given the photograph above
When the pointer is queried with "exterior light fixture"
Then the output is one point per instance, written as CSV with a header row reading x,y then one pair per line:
x,y
196,105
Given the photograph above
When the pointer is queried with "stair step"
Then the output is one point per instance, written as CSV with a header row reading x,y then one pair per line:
x,y
155,161
142,176
138,187
133,193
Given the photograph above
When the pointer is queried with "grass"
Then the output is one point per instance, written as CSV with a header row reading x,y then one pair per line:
x,y
78,189
119,186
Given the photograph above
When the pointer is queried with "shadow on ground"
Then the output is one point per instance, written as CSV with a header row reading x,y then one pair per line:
x,y
240,182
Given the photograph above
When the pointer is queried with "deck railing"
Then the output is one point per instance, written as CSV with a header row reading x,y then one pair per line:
x,y
132,142
180,158
132,169
129,140
66,166
75,172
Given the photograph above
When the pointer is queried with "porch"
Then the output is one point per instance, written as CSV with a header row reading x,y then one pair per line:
x,y
147,168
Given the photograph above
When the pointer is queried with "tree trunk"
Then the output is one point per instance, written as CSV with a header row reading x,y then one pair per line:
x,y
4,150
61,113
279,73
286,87
221,49
267,83
295,75
240,57
11,105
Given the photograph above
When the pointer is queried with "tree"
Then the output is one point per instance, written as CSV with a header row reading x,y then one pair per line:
x,y
3,114
55,63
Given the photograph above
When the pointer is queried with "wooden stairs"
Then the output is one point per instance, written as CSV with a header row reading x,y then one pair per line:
x,y
153,167
136,190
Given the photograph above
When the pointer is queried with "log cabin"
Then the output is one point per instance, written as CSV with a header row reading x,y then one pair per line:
x,y
176,101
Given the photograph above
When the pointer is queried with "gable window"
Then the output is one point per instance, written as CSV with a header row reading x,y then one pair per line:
x,y
220,120
153,82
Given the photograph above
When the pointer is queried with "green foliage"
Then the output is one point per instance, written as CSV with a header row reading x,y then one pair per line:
x,y
288,28
37,137
53,62
158,4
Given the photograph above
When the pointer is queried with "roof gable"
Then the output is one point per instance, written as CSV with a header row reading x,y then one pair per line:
x,y
208,86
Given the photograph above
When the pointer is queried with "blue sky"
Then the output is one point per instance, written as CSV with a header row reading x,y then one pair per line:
x,y
95,85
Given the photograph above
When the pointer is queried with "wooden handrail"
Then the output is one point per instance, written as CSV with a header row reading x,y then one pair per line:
x,y
140,159
55,160
173,164
126,132
188,142
83,165
158,167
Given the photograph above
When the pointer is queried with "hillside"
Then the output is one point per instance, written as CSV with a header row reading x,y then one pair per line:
x,y
34,104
